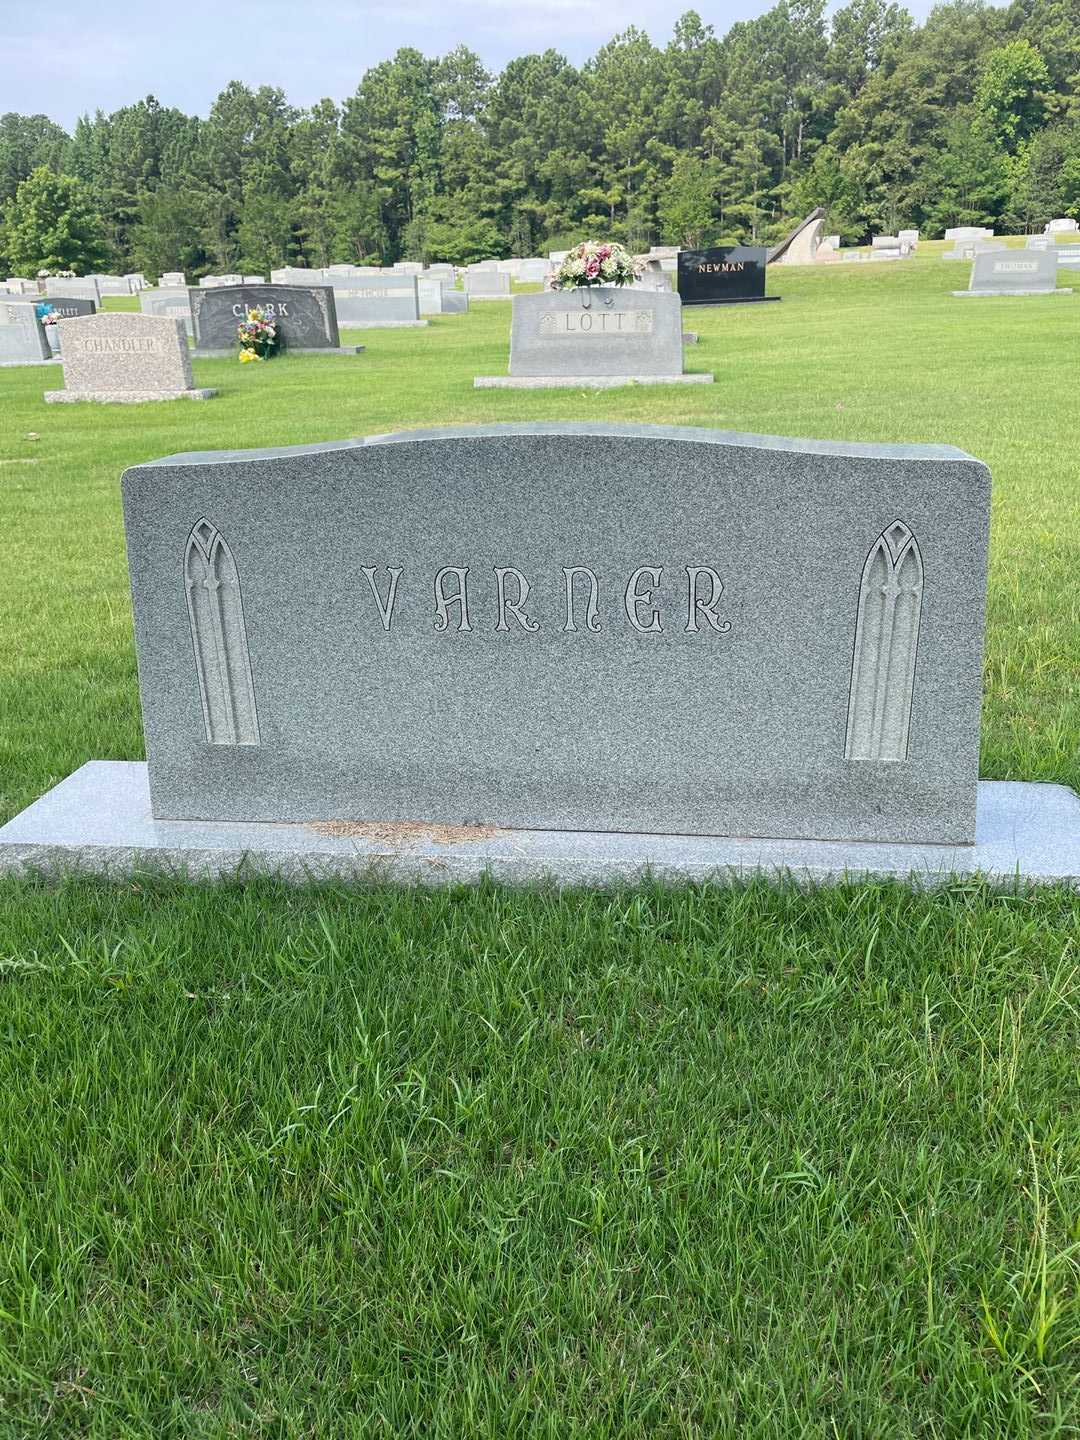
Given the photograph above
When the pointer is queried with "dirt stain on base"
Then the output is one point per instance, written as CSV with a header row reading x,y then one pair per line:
x,y
405,833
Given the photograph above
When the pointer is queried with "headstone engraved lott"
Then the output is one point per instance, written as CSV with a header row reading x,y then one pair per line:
x,y
595,339
124,358
1014,272
769,638
304,315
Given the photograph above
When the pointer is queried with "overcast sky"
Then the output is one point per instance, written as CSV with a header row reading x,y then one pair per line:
x,y
64,58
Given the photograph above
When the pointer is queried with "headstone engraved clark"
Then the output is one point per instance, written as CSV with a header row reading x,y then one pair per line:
x,y
1014,272
304,315
723,275
124,358
768,638
595,339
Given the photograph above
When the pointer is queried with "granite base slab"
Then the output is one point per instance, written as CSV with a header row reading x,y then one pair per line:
x,y
123,397
582,382
982,294
292,350
736,300
98,821
14,364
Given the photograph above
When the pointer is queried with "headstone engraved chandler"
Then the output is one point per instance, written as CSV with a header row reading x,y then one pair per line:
x,y
595,339
723,275
124,358
305,317
1014,272
505,624
22,335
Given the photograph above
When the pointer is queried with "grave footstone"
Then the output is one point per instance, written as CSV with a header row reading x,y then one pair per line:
x,y
125,358
575,339
22,336
1013,272
304,315
723,275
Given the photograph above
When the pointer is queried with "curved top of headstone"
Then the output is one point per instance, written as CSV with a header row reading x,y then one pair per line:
x,y
734,439
778,250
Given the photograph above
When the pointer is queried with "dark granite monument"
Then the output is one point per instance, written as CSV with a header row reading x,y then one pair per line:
x,y
723,275
305,316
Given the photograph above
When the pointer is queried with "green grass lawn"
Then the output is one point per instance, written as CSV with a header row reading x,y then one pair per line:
x,y
340,1163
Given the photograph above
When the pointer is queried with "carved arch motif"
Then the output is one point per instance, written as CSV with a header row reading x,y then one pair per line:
x,y
886,644
219,639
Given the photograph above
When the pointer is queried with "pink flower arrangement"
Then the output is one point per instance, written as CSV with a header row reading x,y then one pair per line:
x,y
595,263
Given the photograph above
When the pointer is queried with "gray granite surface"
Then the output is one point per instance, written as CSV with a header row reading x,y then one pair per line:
x,y
99,820
22,335
602,332
669,630
304,315
124,357
1023,272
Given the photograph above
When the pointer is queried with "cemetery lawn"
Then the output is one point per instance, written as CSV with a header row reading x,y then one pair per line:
x,y
749,1162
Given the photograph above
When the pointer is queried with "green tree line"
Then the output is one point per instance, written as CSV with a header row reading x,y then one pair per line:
x,y
970,118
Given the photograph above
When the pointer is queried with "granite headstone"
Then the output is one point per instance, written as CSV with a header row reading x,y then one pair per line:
x,y
509,624
1013,272
168,300
304,315
124,358
723,275
22,335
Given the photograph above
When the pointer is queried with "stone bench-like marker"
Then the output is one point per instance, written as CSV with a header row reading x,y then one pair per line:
x,y
1013,272
304,315
123,359
390,301
22,336
580,339
611,645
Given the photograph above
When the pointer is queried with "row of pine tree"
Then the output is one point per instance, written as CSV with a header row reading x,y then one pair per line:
x,y
970,118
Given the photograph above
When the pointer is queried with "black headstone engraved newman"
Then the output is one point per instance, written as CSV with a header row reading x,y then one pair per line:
x,y
723,275
304,315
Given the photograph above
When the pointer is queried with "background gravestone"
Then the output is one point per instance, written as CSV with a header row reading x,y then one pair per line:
x,y
378,301
487,283
305,317
586,627
124,358
1013,272
22,335
168,300
602,337
723,275
66,307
